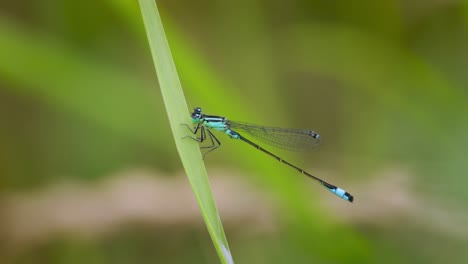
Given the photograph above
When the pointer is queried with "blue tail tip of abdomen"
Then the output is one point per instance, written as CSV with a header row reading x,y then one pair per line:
x,y
339,192
343,194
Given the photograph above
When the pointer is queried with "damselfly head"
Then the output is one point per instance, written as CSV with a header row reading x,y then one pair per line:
x,y
196,115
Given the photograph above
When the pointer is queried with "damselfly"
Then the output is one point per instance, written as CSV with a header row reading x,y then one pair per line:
x,y
290,139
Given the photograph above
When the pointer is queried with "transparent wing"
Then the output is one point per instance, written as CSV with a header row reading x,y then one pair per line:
x,y
283,138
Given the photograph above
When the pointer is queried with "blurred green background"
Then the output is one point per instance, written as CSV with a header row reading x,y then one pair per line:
x,y
88,168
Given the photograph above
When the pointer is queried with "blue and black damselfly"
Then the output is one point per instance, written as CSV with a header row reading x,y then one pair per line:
x,y
290,139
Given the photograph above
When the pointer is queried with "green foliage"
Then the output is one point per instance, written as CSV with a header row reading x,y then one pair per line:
x,y
176,108
383,83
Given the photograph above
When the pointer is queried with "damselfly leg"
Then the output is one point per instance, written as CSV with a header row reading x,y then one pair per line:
x,y
215,143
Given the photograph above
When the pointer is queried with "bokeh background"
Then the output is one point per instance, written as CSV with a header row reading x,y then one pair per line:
x,y
89,172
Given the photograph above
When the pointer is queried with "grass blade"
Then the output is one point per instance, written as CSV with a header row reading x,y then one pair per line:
x,y
177,111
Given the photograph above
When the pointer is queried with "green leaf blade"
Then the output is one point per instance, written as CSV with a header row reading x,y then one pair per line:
x,y
177,111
